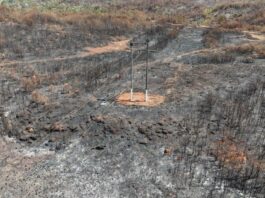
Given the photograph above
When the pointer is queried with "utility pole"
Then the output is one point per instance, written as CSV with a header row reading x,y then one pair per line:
x,y
146,65
146,70
131,45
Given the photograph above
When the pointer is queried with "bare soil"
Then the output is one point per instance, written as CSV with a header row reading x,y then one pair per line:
x,y
139,99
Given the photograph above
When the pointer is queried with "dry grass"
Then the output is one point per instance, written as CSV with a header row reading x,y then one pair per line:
x,y
216,57
2,41
4,13
34,17
119,21
236,6
172,34
259,49
243,16
57,126
230,154
241,49
108,22
255,18
242,24
112,22
211,38
39,98
30,83
173,19
233,24
70,90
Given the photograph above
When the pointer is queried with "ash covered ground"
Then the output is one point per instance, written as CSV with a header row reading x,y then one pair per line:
x,y
64,135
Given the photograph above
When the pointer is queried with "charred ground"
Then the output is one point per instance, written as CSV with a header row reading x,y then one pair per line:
x,y
63,134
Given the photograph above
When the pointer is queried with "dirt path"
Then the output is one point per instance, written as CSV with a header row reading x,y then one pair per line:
x,y
256,35
183,48
111,47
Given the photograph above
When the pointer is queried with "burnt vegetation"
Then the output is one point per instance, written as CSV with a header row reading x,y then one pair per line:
x,y
206,140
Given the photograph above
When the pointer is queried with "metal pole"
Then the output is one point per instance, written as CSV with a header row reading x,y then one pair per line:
x,y
131,45
146,69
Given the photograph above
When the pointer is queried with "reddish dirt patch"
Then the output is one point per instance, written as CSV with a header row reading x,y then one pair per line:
x,y
230,153
112,47
139,99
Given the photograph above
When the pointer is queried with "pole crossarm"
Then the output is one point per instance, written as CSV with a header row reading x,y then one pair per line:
x,y
137,43
149,50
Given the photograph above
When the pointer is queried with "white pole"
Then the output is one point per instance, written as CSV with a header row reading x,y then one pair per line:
x,y
146,70
131,44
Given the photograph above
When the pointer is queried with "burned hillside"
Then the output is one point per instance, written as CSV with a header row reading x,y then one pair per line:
x,y
66,133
